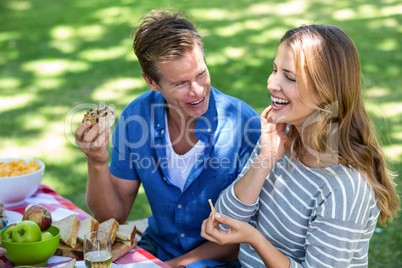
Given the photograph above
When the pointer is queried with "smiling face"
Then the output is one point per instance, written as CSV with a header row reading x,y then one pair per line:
x,y
185,83
286,101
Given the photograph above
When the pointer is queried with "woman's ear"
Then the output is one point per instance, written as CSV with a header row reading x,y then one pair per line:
x,y
150,82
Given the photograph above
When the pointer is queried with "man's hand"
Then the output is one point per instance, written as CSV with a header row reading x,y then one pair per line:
x,y
91,143
2,253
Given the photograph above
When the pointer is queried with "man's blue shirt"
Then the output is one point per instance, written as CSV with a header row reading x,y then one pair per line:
x,y
230,130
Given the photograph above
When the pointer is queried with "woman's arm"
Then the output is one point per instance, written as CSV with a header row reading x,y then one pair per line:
x,y
273,137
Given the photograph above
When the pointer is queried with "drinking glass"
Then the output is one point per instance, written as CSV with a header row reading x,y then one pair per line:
x,y
97,250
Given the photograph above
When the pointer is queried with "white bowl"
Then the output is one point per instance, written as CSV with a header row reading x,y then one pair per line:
x,y
14,190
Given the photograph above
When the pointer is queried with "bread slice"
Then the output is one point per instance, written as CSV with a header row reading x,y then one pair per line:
x,y
110,226
86,226
70,264
126,232
68,230
131,243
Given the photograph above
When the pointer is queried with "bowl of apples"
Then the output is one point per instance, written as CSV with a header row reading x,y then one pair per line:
x,y
33,240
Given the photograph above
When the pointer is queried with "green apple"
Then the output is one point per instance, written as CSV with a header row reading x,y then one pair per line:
x,y
26,232
8,233
46,235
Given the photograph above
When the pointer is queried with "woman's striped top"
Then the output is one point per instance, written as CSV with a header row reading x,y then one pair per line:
x,y
317,218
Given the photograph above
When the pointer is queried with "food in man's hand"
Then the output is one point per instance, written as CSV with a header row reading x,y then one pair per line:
x,y
39,215
212,209
102,114
16,168
26,232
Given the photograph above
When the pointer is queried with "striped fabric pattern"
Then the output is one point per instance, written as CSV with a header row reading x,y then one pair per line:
x,y
317,218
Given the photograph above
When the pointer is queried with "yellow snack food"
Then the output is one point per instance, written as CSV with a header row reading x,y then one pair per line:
x,y
212,209
16,168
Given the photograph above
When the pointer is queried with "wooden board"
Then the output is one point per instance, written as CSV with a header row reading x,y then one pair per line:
x,y
118,250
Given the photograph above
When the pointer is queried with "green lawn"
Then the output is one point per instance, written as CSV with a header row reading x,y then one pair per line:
x,y
58,57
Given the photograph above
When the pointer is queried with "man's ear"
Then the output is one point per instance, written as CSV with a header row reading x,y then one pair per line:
x,y
150,82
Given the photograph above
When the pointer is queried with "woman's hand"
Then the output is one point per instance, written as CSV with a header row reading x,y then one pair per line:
x,y
239,232
242,232
273,136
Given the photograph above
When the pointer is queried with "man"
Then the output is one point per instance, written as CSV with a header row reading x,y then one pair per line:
x,y
184,141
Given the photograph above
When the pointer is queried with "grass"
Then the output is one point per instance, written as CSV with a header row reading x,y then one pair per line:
x,y
58,57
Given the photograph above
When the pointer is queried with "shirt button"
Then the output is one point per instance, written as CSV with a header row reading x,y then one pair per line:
x,y
179,206
163,131
164,178
157,125
182,234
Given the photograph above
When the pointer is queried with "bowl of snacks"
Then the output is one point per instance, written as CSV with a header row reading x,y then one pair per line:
x,y
19,179
26,244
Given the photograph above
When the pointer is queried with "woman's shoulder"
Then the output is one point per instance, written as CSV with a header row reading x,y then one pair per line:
x,y
332,175
344,181
347,179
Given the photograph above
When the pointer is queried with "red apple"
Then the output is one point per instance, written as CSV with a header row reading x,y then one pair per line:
x,y
39,215
27,207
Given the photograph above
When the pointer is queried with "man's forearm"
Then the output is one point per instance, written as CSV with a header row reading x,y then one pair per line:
x,y
102,198
207,251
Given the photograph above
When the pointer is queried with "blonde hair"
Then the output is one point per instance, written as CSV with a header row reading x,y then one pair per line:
x,y
163,36
341,129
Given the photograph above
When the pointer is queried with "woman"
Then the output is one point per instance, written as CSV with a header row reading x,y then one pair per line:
x,y
311,193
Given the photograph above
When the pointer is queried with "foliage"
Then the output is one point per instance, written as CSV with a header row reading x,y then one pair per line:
x,y
58,57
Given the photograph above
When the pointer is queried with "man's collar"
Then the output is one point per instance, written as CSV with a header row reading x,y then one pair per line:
x,y
159,109
206,124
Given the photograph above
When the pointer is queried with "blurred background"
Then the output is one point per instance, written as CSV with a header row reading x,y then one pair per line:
x,y
58,58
